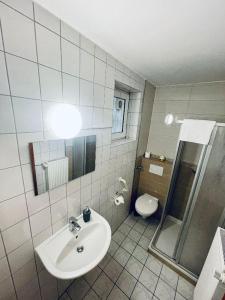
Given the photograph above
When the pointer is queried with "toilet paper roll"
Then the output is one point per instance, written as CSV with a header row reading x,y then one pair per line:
x,y
119,200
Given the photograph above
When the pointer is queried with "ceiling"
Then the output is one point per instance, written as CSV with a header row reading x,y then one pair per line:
x,y
167,42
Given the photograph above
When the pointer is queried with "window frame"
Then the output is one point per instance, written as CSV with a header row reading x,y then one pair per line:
x,y
122,135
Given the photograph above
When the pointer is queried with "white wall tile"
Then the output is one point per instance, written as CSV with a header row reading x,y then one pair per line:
x,y
4,269
99,95
4,86
16,235
47,19
48,45
109,95
12,22
23,140
87,45
73,186
40,221
36,203
70,33
58,210
73,201
23,77
86,114
7,289
110,77
86,66
98,117
100,70
21,256
111,60
57,194
23,6
100,53
11,183
12,211
8,151
70,58
107,118
1,44
51,84
24,275
28,115
2,249
70,89
6,115
27,177
86,93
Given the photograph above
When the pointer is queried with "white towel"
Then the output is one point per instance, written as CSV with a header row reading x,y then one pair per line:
x,y
196,131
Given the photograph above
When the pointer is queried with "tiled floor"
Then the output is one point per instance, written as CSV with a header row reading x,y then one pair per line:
x,y
128,271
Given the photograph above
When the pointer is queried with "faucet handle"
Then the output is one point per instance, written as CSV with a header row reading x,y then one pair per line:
x,y
72,219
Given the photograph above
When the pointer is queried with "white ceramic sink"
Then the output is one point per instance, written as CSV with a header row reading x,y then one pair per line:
x,y
59,253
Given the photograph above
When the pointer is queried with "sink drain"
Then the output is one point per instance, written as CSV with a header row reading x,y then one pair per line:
x,y
80,249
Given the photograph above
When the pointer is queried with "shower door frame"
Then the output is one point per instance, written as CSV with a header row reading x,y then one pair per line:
x,y
201,168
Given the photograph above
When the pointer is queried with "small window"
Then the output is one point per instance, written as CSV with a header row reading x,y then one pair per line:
x,y
119,117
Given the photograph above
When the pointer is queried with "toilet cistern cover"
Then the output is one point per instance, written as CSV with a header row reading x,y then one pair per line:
x,y
146,204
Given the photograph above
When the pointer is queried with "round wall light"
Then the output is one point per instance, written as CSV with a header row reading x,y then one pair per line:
x,y
65,121
169,118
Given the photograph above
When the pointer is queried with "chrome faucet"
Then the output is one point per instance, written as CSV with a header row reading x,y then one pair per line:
x,y
73,225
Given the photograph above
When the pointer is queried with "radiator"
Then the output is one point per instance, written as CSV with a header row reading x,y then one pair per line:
x,y
57,171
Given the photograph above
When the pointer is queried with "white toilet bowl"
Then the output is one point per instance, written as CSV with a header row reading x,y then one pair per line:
x,y
146,205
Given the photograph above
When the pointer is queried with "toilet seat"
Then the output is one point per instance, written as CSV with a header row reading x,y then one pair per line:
x,y
146,205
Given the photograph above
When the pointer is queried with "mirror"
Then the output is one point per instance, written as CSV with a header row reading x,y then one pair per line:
x,y
56,162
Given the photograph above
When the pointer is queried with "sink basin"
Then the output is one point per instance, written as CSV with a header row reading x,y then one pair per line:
x,y
68,255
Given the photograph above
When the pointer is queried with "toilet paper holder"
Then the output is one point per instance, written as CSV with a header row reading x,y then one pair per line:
x,y
124,184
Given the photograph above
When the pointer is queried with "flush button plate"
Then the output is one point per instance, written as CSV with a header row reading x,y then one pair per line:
x,y
155,169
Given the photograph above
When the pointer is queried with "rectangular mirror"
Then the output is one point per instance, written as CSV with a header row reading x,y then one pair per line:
x,y
56,162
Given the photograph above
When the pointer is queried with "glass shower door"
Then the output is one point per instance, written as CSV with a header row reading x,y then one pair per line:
x,y
185,173
207,209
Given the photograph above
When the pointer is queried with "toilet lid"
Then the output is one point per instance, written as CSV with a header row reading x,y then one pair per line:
x,y
146,204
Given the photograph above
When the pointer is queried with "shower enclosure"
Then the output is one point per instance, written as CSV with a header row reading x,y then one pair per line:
x,y
195,204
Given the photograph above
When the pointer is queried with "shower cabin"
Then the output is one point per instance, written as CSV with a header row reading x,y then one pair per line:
x,y
195,204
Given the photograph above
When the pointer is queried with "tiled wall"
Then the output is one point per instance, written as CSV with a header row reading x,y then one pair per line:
x,y
42,62
199,101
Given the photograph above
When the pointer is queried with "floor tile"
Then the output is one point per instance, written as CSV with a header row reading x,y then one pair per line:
x,y
185,288
140,254
129,245
134,267
134,235
148,279
105,261
131,220
164,291
113,270
149,232
179,297
122,256
141,293
139,227
65,296
126,283
154,265
118,237
113,247
103,286
169,276
124,228
144,242
91,295
78,289
91,276
117,294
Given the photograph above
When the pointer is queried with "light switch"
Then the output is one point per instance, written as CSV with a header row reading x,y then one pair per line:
x,y
158,170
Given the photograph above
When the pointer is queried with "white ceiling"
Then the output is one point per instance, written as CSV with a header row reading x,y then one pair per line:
x,y
165,41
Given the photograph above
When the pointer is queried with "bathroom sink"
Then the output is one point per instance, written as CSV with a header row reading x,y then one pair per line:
x,y
68,255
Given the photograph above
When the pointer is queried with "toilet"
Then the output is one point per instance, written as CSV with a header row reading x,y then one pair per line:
x,y
146,205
